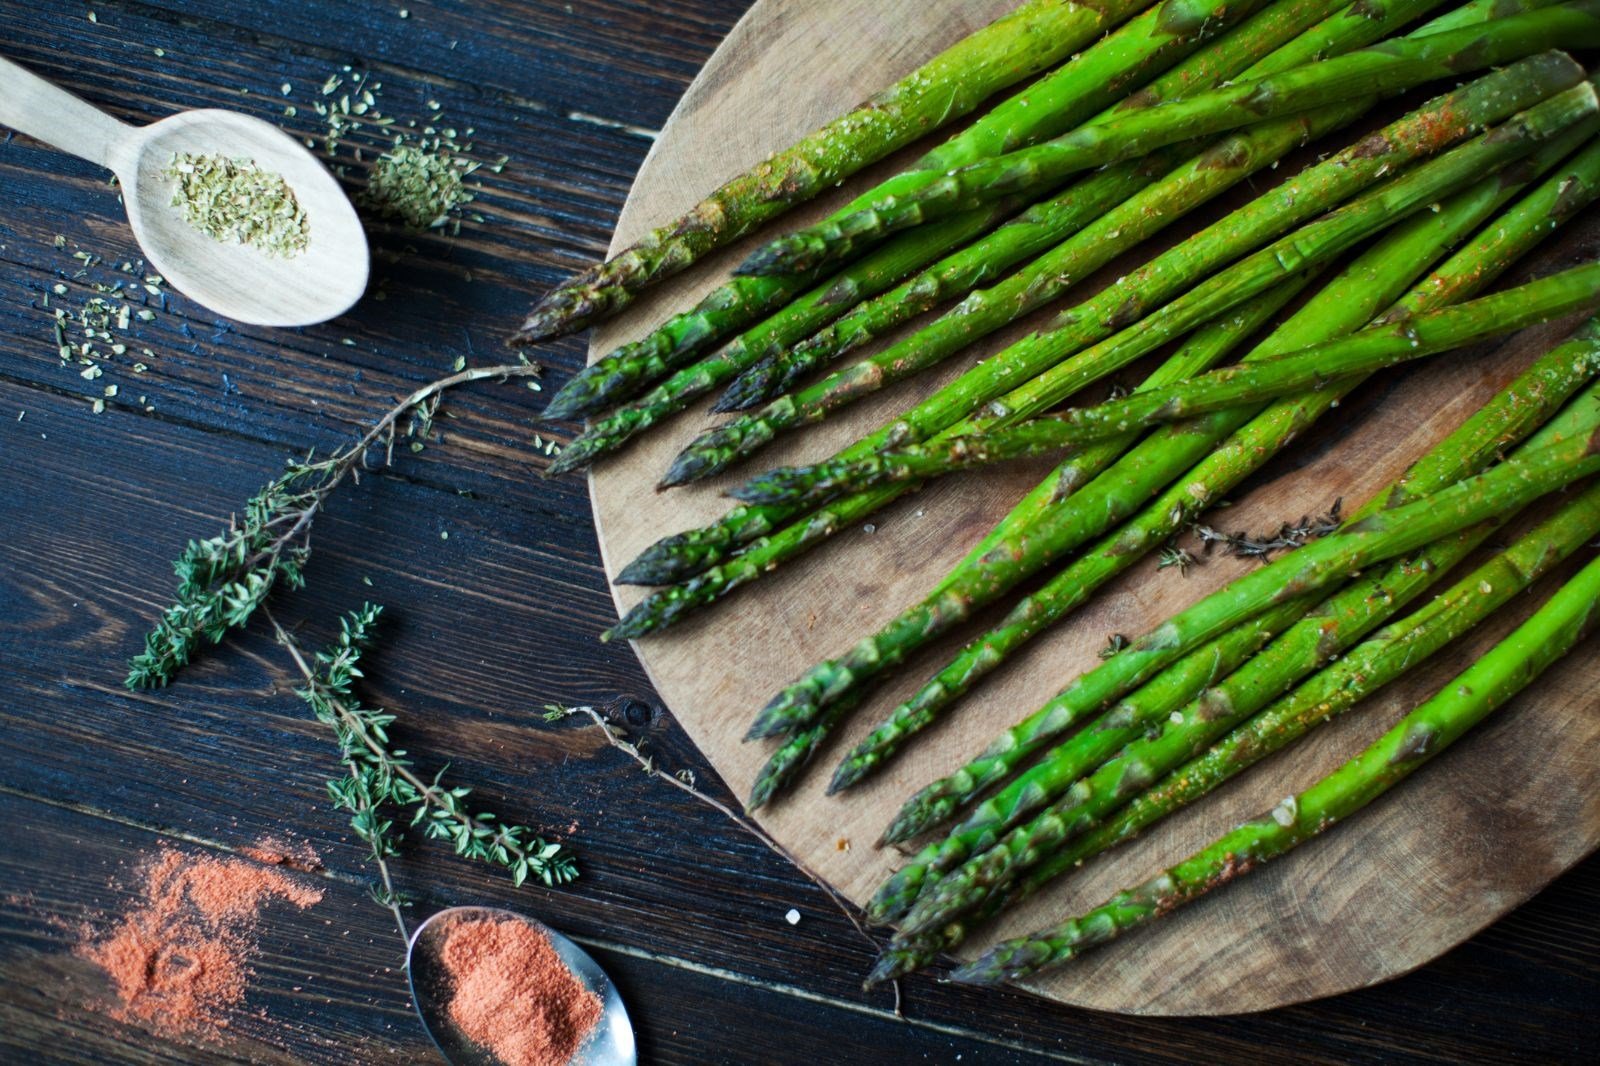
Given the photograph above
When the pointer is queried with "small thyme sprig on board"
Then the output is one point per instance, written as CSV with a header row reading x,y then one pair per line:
x,y
224,579
1289,535
379,777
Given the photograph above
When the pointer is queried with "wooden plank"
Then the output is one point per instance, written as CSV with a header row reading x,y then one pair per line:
x,y
625,61
1342,914
107,501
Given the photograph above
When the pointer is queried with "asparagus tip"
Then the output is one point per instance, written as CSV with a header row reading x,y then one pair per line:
x,y
687,467
567,404
642,571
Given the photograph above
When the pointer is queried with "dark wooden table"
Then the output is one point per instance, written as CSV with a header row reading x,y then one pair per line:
x,y
494,591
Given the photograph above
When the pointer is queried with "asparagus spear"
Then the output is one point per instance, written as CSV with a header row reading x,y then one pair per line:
x,y
682,339
797,702
1509,667
1475,265
1322,365
1344,618
1392,66
1362,671
1305,569
1368,284
1033,38
708,552
1260,41
1523,405
1099,75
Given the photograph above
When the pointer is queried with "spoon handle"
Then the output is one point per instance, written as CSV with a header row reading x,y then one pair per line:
x,y
44,111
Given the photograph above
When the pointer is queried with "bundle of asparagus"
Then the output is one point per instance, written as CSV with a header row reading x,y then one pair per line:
x,y
1178,102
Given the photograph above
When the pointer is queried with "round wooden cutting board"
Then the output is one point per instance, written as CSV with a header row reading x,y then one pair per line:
x,y
1453,849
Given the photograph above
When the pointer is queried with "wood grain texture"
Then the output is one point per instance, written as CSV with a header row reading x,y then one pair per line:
x,y
1418,873
480,630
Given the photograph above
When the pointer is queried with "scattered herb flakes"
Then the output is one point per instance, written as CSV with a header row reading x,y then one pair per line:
x,y
235,201
419,187
419,176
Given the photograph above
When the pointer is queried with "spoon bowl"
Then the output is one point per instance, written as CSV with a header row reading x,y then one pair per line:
x,y
611,1043
242,281
239,281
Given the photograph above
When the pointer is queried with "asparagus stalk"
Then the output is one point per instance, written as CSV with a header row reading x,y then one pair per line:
x,y
783,766
1318,366
1474,266
1390,67
1509,667
1363,670
1256,47
1368,284
1544,385
1525,404
1101,74
624,372
796,703
1340,621
707,554
1313,566
1033,38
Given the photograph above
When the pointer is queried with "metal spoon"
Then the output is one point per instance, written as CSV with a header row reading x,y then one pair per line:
x,y
610,1044
234,280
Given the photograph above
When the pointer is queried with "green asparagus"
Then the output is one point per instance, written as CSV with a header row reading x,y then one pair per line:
x,y
1509,667
621,374
1097,76
709,552
1373,539
1035,37
797,702
1392,66
1322,365
1260,41
1476,265
1369,284
1339,622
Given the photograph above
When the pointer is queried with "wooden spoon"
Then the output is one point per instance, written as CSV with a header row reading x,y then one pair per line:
x,y
235,280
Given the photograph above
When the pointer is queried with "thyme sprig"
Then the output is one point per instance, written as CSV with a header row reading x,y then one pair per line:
x,y
1287,536
223,580
379,777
